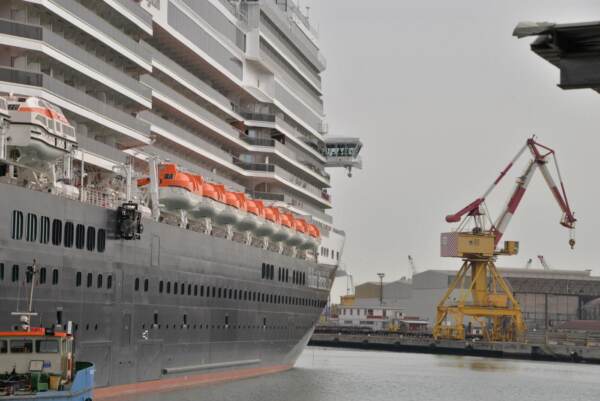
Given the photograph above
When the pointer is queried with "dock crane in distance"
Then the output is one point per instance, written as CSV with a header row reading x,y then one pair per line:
x,y
528,264
492,306
543,262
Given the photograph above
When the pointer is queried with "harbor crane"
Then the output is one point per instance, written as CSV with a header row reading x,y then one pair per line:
x,y
543,262
482,295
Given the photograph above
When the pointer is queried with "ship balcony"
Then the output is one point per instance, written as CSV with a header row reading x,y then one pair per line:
x,y
293,34
191,82
277,147
134,12
298,111
294,182
277,121
29,83
285,52
91,23
38,38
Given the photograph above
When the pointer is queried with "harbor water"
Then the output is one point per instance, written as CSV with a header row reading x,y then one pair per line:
x,y
325,374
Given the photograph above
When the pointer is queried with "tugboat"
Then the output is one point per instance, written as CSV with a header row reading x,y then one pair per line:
x,y
38,363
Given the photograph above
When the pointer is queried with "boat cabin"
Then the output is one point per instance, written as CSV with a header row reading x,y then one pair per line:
x,y
37,351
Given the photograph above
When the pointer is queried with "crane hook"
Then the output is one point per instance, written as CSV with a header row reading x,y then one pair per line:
x,y
572,243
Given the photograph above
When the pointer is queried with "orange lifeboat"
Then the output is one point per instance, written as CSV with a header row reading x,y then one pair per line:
x,y
284,231
252,218
299,236
313,239
233,212
211,203
178,190
269,224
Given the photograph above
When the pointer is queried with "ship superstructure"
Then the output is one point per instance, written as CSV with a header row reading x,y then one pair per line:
x,y
98,100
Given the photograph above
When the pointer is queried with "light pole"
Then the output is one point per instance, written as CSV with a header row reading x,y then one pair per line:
x,y
381,276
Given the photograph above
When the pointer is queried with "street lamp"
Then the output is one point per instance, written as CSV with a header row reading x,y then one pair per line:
x,y
381,276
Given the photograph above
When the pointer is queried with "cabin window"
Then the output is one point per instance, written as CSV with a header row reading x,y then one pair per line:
x,y
15,273
189,289
262,274
201,290
101,240
175,288
214,292
69,234
44,230
109,282
21,346
168,287
89,280
17,225
43,275
91,239
3,347
99,281
146,285
80,236
1,271
31,227
56,232
46,346
182,289
137,284
196,290
78,279
29,274
161,286
54,276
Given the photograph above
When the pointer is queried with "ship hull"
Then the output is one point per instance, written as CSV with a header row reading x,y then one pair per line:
x,y
179,303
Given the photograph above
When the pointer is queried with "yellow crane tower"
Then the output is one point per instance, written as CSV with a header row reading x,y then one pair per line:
x,y
479,297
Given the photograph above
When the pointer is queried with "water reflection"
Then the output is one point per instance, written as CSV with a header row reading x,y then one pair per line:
x,y
350,375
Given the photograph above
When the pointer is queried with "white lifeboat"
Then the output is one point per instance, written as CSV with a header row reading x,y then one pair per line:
x,y
313,238
177,190
39,130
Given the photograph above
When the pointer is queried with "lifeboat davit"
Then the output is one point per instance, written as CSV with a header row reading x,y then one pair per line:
x,y
178,190
39,130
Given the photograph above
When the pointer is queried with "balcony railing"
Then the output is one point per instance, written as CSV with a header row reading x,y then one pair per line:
x,y
257,141
135,8
258,116
94,20
269,168
75,52
200,112
266,196
183,75
183,134
74,96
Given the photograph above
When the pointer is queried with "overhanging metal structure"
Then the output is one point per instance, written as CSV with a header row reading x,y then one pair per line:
x,y
573,48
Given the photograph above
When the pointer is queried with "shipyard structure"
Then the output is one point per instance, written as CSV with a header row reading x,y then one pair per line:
x,y
163,181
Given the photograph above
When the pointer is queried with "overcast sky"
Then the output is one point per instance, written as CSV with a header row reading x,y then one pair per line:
x,y
443,96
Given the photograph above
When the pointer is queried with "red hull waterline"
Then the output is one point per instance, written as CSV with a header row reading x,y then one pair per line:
x,y
182,382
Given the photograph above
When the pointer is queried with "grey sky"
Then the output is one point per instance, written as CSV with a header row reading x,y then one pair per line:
x,y
443,96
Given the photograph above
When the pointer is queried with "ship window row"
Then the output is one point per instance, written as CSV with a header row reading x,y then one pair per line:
x,y
226,325
330,253
283,274
68,234
21,346
99,282
45,275
208,291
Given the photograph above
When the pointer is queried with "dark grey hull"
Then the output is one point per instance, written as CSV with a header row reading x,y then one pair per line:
x,y
129,319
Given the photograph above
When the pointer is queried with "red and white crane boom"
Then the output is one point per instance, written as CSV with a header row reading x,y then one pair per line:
x,y
540,158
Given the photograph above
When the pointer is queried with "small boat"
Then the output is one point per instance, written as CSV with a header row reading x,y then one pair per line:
x,y
284,231
314,238
38,363
39,131
251,220
299,236
269,224
232,213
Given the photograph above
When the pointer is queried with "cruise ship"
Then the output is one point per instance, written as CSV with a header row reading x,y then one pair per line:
x,y
163,183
